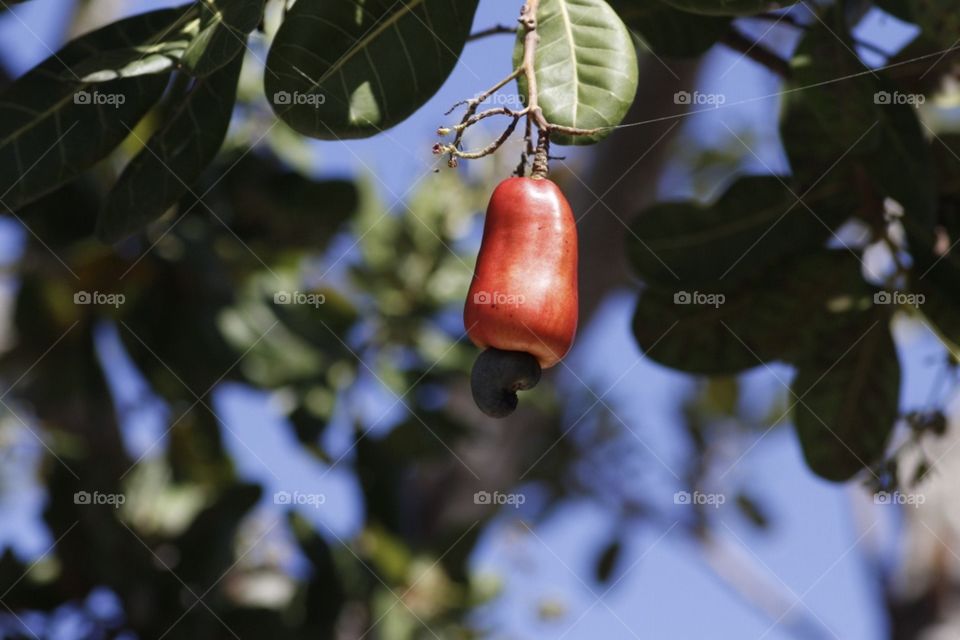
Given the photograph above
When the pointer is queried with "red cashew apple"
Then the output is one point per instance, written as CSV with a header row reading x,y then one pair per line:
x,y
522,304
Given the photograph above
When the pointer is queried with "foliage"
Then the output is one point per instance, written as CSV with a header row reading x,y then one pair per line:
x,y
853,148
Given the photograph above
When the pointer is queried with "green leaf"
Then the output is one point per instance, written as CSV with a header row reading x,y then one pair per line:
x,y
54,125
936,277
206,547
771,317
755,222
174,157
946,155
905,170
825,119
273,208
847,398
325,589
671,32
131,62
730,7
350,70
223,30
837,131
899,9
586,67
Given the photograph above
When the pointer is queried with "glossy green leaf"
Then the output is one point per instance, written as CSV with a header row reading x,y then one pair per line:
x,y
174,156
53,125
586,67
730,7
668,31
771,317
223,30
847,398
350,70
131,62
758,220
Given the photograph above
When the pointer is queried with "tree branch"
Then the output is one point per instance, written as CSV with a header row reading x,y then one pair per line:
x,y
497,29
752,49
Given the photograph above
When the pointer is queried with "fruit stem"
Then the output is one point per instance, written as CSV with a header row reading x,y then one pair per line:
x,y
541,158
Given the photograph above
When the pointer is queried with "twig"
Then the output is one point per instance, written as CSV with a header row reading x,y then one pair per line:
x,y
483,115
786,19
739,42
793,22
455,152
475,101
532,111
528,18
497,29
